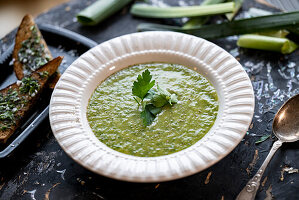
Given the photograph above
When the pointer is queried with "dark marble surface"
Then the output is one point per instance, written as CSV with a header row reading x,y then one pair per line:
x,y
40,169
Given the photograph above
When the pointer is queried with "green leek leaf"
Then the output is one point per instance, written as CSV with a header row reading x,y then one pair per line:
x,y
236,27
238,5
100,10
199,21
145,10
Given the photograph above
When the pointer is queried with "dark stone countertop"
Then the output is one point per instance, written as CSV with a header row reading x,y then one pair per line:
x,y
40,169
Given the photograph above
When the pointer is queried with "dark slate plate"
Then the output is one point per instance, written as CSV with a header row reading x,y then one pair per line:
x,y
61,42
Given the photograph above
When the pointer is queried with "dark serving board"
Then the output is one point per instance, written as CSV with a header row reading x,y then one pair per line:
x,y
61,42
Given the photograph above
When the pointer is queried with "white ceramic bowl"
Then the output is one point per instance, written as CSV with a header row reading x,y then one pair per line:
x,y
70,98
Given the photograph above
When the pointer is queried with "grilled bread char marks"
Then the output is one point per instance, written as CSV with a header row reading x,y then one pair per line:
x,y
17,99
30,51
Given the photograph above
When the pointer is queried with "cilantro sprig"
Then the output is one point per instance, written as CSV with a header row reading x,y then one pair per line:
x,y
150,100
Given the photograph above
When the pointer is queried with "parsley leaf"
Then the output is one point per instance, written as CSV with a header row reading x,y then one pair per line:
x,y
149,113
162,97
151,100
147,116
154,110
143,84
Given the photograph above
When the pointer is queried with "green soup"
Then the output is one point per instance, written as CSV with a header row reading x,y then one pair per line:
x,y
114,117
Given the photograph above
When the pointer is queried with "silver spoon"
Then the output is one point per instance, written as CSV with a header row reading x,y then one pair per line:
x,y
286,128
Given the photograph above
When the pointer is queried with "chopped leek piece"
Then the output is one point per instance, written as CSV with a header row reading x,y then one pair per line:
x,y
100,10
238,5
236,27
162,27
280,33
282,45
144,10
198,21
211,2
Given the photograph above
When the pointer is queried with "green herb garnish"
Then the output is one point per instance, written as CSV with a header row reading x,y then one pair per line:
x,y
143,84
162,97
262,139
29,86
147,116
32,54
150,99
3,128
43,74
12,101
9,105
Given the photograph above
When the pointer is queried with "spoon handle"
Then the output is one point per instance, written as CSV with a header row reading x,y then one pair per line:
x,y
249,191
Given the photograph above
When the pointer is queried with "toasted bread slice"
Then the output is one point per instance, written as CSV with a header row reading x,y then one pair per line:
x,y
27,30
30,38
18,99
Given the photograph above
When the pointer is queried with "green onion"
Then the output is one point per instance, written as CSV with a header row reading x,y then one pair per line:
x,y
100,10
144,10
282,45
199,21
238,5
236,27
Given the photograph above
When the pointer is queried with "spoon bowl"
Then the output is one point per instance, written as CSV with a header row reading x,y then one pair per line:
x,y
286,129
286,121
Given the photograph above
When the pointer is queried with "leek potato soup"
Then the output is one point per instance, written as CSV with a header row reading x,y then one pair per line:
x,y
152,109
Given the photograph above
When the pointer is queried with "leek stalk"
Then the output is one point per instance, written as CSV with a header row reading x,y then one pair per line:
x,y
211,2
238,5
100,10
195,22
236,27
276,33
144,10
199,21
282,45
